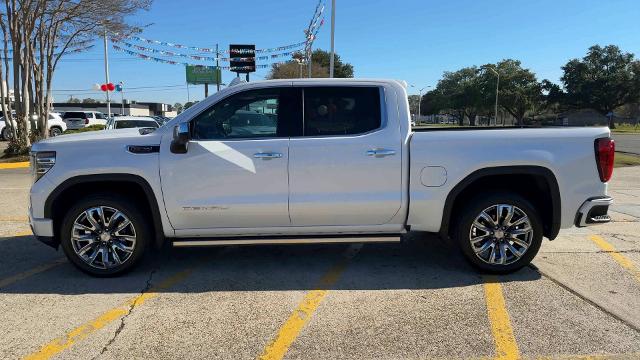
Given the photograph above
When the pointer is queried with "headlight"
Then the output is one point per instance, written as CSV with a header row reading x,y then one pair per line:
x,y
41,162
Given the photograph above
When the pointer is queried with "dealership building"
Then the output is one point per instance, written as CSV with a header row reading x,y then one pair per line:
x,y
130,108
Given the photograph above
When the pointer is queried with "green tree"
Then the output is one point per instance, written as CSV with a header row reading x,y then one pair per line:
x,y
520,92
459,93
603,80
89,101
178,107
319,69
188,104
341,70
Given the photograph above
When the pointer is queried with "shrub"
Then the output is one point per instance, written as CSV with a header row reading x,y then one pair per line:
x,y
95,127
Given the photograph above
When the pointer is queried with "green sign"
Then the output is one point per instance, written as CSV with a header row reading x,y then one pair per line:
x,y
200,74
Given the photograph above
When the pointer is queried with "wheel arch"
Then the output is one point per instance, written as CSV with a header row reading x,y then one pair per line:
x,y
542,178
120,183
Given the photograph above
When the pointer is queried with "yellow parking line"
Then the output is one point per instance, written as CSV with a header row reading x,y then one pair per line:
x,y
290,330
505,341
60,344
14,165
25,274
624,261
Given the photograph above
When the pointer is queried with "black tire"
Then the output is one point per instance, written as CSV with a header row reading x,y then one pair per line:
x,y
55,131
468,214
6,134
137,218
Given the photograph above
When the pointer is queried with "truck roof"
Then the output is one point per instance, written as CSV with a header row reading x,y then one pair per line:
x,y
322,81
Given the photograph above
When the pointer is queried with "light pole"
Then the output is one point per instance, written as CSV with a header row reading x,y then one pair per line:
x,y
420,96
122,94
497,90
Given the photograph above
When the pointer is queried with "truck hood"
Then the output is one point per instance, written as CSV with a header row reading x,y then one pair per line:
x,y
130,136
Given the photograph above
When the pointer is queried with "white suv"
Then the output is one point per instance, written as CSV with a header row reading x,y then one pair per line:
x,y
56,126
79,119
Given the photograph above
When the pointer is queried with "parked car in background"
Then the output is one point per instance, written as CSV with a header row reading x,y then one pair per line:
x,y
79,119
56,126
314,161
161,119
124,122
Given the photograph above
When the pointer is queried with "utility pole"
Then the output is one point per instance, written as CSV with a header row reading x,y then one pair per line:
x,y
217,67
106,71
206,90
309,61
333,30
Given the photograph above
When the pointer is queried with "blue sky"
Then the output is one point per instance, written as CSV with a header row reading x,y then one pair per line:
x,y
413,40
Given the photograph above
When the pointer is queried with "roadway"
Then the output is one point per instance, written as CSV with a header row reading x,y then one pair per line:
x,y
629,143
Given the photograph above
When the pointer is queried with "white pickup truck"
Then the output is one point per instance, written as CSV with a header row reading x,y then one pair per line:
x,y
314,161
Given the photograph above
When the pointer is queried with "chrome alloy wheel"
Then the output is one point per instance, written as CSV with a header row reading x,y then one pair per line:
x,y
103,237
501,234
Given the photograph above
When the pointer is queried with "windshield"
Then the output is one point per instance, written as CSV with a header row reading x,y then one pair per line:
x,y
123,124
74,114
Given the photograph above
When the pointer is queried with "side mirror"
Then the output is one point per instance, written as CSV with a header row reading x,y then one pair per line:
x,y
181,136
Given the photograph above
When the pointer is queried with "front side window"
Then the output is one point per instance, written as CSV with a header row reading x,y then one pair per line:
x,y
262,113
341,110
98,116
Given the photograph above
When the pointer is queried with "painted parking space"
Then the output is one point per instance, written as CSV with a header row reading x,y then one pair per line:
x,y
417,299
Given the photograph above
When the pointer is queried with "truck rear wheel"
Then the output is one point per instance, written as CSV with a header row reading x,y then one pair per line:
x,y
104,235
499,232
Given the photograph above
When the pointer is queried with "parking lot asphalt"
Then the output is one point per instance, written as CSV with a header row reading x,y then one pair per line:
x,y
416,299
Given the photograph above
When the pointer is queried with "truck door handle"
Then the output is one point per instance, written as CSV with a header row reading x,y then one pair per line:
x,y
267,155
381,152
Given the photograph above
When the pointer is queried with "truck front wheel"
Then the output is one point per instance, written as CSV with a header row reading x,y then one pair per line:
x,y
104,235
499,232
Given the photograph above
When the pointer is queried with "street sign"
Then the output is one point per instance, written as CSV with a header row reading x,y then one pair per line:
x,y
200,74
242,58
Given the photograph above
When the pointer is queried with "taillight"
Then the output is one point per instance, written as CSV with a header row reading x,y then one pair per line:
x,y
605,153
86,121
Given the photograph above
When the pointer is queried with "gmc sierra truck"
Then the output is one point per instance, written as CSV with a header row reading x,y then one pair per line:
x,y
314,161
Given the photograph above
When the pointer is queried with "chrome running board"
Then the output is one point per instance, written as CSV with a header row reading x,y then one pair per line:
x,y
286,240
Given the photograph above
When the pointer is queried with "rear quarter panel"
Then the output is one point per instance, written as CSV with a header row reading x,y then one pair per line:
x,y
567,152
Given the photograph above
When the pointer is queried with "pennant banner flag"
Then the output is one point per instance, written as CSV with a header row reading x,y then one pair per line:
x,y
172,62
211,50
199,57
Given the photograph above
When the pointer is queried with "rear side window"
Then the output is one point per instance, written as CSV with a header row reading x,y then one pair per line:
x,y
74,114
341,110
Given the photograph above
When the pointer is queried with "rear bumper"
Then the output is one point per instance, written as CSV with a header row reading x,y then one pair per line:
x,y
594,211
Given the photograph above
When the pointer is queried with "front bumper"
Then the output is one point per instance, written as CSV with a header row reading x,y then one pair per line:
x,y
594,211
42,229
